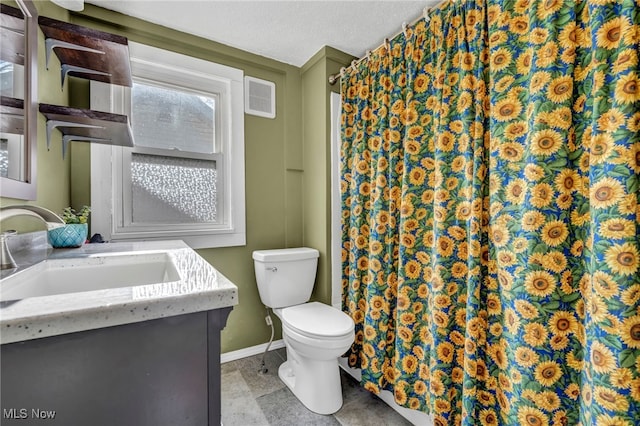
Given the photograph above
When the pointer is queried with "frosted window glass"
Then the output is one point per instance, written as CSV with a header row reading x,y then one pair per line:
x,y
168,118
173,190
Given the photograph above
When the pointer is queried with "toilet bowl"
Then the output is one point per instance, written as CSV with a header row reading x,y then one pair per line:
x,y
314,334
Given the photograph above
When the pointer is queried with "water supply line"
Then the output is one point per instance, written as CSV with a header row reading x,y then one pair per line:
x,y
269,321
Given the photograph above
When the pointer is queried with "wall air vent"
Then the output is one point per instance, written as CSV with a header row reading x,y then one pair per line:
x,y
259,97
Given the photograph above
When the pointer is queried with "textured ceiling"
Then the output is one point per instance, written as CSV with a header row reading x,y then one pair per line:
x,y
287,31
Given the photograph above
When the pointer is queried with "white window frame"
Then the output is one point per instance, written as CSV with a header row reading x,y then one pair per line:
x,y
110,165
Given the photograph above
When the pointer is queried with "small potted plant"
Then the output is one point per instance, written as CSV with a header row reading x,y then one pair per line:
x,y
75,232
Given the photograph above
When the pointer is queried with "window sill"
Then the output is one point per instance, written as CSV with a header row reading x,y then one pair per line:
x,y
193,241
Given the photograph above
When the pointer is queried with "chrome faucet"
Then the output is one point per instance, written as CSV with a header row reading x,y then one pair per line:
x,y
50,219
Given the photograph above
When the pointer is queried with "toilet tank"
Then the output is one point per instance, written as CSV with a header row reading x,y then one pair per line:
x,y
285,277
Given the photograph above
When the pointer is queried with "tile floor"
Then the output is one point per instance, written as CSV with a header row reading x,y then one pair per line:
x,y
250,398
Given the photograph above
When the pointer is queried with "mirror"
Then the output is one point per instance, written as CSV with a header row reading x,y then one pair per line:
x,y
18,103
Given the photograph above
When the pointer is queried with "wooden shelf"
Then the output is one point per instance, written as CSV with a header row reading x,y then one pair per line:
x,y
83,125
13,45
12,115
87,53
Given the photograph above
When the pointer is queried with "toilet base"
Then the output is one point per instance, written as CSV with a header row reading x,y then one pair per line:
x,y
316,384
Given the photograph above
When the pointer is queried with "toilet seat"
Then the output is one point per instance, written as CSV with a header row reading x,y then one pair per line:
x,y
317,320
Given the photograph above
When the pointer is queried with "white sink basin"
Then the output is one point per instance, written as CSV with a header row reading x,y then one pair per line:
x,y
95,272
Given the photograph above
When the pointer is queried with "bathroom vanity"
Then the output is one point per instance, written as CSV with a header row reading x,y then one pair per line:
x,y
138,343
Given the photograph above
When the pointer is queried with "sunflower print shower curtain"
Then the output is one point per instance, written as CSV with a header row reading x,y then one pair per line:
x,y
490,187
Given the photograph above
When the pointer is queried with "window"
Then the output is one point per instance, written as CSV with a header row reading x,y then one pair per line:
x,y
184,179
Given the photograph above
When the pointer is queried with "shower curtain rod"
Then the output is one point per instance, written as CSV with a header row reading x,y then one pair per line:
x,y
333,78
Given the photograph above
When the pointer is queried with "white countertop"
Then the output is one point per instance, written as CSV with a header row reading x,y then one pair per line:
x,y
200,288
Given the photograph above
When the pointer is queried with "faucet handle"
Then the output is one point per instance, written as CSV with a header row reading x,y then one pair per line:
x,y
5,256
8,233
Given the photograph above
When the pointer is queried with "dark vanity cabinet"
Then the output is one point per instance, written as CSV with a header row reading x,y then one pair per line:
x,y
153,373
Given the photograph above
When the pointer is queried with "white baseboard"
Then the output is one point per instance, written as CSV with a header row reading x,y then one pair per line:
x,y
250,351
417,418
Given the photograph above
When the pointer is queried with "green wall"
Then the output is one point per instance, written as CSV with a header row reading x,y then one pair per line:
x,y
316,110
286,171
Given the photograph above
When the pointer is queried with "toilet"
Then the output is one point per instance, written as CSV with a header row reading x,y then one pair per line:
x,y
314,334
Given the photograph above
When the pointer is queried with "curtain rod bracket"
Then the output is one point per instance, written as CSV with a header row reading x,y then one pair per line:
x,y
425,13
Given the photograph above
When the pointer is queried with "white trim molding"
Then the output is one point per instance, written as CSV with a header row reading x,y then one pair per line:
x,y
110,166
250,351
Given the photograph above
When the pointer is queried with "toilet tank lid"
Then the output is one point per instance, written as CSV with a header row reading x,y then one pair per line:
x,y
284,255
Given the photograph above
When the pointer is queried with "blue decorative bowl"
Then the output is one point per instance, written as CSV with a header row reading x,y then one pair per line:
x,y
71,235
